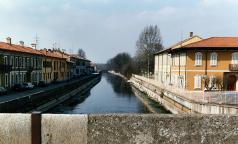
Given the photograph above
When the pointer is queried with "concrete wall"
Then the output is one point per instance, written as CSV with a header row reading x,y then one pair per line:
x,y
121,129
178,104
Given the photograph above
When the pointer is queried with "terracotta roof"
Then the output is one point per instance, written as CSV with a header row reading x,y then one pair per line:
x,y
54,54
18,48
182,43
215,42
78,57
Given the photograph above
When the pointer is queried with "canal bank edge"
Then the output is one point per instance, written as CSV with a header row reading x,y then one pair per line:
x,y
177,104
121,128
45,100
80,90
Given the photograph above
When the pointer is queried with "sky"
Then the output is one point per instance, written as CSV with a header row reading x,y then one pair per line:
x,y
103,28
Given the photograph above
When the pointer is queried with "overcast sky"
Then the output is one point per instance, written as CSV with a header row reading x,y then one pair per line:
x,y
104,28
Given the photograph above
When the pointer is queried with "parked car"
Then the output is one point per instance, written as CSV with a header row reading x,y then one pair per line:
x,y
18,87
3,91
42,84
28,85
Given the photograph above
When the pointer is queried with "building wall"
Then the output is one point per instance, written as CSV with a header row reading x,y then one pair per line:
x,y
20,67
223,61
179,69
57,71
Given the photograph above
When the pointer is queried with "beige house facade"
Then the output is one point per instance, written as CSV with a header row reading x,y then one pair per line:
x,y
197,64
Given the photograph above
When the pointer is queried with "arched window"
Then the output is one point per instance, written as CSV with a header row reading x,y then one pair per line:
x,y
213,59
198,58
234,58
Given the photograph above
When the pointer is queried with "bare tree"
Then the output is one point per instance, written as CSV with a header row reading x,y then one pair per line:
x,y
213,83
121,63
148,44
81,53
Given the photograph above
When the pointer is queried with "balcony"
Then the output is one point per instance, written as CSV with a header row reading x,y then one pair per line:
x,y
5,68
233,67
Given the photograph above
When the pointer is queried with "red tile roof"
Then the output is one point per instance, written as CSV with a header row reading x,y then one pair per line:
x,y
18,48
78,57
54,54
215,42
179,44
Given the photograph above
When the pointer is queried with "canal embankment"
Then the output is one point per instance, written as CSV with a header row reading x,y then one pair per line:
x,y
46,99
177,103
117,129
118,74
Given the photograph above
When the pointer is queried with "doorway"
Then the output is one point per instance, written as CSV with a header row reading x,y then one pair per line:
x,y
231,83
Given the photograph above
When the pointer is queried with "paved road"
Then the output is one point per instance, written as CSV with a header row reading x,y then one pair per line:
x,y
16,95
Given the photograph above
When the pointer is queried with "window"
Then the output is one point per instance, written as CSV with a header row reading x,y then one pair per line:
x,y
5,60
198,58
20,62
197,82
183,59
28,62
234,58
176,62
16,62
6,80
213,59
12,61
24,62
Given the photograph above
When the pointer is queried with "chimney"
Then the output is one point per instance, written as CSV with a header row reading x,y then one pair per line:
x,y
33,45
9,40
21,43
191,34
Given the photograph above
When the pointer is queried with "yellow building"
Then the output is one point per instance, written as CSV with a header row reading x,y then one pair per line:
x,y
170,64
55,66
200,64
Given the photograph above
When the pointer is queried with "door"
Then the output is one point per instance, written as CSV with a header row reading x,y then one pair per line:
x,y
231,83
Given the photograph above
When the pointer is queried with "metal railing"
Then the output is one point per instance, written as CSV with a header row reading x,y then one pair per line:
x,y
216,97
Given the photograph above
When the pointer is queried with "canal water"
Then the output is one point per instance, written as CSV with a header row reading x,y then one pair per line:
x,y
111,95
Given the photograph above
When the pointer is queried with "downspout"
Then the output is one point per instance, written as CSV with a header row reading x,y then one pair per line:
x,y
162,68
206,65
170,65
179,64
185,76
166,65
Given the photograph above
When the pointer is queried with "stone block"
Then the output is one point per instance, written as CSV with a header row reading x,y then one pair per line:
x,y
64,129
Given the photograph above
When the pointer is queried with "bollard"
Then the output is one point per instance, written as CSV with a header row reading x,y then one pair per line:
x,y
36,128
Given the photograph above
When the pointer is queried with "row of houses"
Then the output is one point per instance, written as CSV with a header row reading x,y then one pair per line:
x,y
198,64
20,63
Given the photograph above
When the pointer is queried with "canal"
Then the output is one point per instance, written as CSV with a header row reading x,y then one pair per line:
x,y
111,95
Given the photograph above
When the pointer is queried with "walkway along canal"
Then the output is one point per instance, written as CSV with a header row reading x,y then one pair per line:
x,y
112,95
44,99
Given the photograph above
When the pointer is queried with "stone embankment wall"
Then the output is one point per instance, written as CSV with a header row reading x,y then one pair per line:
x,y
44,100
178,104
118,74
121,129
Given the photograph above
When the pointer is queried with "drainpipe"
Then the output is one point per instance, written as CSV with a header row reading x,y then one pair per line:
x,y
206,64
185,76
179,64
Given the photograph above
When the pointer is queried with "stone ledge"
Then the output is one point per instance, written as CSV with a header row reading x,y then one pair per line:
x,y
121,128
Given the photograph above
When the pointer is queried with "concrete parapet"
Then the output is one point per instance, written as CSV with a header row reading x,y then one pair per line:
x,y
15,129
152,129
178,104
121,128
64,129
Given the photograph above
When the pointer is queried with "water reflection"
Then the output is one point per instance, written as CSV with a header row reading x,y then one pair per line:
x,y
119,85
111,95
